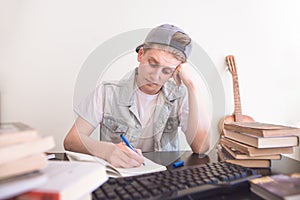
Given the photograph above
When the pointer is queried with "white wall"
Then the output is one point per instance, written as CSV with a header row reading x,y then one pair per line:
x,y
43,45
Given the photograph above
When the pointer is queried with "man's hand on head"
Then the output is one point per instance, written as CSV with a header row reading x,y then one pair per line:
x,y
184,74
176,75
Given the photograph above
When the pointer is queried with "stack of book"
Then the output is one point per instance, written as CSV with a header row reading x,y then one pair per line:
x,y
21,155
255,144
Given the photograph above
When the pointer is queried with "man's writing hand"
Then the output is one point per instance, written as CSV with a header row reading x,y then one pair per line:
x,y
122,156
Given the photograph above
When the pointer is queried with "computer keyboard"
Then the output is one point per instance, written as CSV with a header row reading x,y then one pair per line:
x,y
193,181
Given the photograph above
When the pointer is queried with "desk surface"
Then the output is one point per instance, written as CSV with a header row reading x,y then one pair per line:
x,y
285,165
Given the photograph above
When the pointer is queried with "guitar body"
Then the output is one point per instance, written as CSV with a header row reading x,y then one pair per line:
x,y
231,118
237,116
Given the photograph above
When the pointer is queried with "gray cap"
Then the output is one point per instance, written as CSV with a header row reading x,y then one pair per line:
x,y
163,35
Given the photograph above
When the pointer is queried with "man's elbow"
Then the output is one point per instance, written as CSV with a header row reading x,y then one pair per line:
x,y
201,149
67,143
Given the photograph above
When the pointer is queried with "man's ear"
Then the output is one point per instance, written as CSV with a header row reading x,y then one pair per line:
x,y
140,54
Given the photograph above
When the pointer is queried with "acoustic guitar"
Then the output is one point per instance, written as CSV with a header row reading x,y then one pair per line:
x,y
237,115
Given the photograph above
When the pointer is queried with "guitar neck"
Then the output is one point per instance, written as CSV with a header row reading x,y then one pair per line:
x,y
237,100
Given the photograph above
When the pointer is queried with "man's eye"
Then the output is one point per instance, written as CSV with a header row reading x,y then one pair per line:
x,y
167,71
153,64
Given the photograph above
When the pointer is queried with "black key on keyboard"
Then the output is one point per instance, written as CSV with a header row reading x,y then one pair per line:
x,y
200,180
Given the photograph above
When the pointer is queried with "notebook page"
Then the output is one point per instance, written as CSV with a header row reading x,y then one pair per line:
x,y
112,171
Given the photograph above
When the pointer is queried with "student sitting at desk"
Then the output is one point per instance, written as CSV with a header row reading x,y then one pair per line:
x,y
147,106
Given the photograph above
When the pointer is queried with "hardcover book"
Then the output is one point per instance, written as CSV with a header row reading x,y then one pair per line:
x,y
16,185
23,165
20,150
253,151
16,132
240,155
68,180
262,142
261,129
277,187
253,163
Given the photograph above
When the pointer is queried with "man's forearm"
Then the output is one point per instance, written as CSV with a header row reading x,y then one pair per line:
x,y
78,140
197,133
84,144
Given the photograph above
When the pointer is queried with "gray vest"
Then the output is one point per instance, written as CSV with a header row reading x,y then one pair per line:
x,y
120,114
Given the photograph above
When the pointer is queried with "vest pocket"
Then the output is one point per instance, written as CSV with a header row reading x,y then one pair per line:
x,y
111,129
169,140
171,125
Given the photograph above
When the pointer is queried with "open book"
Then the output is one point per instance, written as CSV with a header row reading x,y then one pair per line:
x,y
112,171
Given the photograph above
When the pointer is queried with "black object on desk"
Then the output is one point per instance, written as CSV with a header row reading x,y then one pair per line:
x,y
285,165
58,156
188,182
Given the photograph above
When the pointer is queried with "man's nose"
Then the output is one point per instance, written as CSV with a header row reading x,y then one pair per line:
x,y
156,73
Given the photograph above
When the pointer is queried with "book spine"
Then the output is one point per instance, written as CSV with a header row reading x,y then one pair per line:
x,y
36,195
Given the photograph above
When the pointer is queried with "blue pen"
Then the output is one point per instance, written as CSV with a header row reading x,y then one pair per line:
x,y
128,144
178,164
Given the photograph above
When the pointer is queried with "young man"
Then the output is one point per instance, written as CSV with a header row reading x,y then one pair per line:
x,y
148,106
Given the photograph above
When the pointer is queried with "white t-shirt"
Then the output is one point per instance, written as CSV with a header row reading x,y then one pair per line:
x,y
146,108
91,109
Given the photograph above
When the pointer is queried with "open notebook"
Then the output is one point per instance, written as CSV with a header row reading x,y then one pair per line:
x,y
112,171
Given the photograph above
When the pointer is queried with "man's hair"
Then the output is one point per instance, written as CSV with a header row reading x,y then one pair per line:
x,y
178,37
